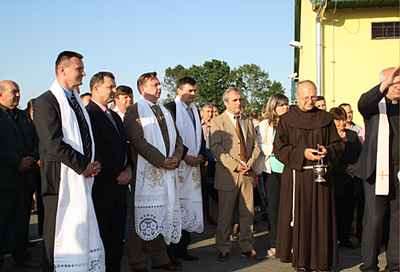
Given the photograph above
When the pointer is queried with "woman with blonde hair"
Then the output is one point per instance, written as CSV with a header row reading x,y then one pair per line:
x,y
277,105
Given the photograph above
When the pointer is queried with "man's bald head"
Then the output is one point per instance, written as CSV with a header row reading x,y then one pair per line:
x,y
306,94
9,94
385,73
394,88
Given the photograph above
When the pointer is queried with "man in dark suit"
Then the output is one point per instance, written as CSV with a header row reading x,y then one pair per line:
x,y
233,143
59,116
18,153
188,121
157,149
110,186
378,167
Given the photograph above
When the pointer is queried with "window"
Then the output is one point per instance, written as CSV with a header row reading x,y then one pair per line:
x,y
386,30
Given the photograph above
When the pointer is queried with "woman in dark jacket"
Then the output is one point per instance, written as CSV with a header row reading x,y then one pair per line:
x,y
343,175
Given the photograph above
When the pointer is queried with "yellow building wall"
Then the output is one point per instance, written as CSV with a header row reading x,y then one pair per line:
x,y
351,60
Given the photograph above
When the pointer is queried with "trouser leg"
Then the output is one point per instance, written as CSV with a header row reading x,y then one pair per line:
x,y
246,219
50,203
226,204
273,188
374,211
392,253
19,224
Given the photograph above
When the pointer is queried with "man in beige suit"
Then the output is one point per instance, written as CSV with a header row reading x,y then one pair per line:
x,y
233,143
156,151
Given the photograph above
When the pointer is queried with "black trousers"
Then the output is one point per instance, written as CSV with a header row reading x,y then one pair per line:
x,y
14,211
50,203
110,213
273,189
345,206
376,207
181,247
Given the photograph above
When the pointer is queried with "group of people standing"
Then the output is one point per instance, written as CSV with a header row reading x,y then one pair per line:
x,y
89,154
311,219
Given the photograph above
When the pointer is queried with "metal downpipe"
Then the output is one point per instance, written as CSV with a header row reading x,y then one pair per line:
x,y
320,13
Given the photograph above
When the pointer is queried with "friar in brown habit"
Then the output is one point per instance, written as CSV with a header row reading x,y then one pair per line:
x,y
307,225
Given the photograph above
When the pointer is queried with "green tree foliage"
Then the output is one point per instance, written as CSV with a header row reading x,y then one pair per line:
x,y
254,84
172,75
215,76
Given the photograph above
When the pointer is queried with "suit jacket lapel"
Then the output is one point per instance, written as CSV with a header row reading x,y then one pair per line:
x,y
230,126
106,120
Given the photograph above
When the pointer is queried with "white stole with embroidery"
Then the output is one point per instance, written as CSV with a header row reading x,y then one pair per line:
x,y
77,242
190,177
382,156
156,194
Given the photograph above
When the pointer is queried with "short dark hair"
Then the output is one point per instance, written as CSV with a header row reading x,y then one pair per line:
x,y
319,98
254,115
144,78
207,105
338,113
186,80
64,57
86,94
122,89
99,78
344,105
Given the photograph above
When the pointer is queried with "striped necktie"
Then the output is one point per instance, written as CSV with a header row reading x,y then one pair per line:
x,y
83,127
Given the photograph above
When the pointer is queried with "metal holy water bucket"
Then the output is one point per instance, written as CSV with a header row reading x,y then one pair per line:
x,y
320,170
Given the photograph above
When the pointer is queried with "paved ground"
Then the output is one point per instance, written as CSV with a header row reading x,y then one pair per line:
x,y
203,246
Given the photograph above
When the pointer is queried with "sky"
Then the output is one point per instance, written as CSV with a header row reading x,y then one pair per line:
x,y
129,38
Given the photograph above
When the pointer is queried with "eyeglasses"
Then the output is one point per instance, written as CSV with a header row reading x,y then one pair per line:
x,y
312,98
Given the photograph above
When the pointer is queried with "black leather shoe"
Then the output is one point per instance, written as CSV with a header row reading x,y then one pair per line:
x,y
174,260
168,266
187,257
349,245
223,257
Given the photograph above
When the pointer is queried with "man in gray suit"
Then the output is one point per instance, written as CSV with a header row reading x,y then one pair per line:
x,y
18,154
233,143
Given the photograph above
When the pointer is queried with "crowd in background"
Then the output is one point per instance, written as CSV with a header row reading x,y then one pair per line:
x,y
226,167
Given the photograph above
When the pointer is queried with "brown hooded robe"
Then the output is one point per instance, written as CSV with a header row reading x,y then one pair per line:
x,y
312,241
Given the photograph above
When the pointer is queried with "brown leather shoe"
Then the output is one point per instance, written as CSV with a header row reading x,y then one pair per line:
x,y
223,257
252,255
168,266
30,263
140,270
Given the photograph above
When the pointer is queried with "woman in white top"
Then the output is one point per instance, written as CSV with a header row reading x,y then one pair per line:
x,y
272,172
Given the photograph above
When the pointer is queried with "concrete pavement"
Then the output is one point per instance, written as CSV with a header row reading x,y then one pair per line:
x,y
203,246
